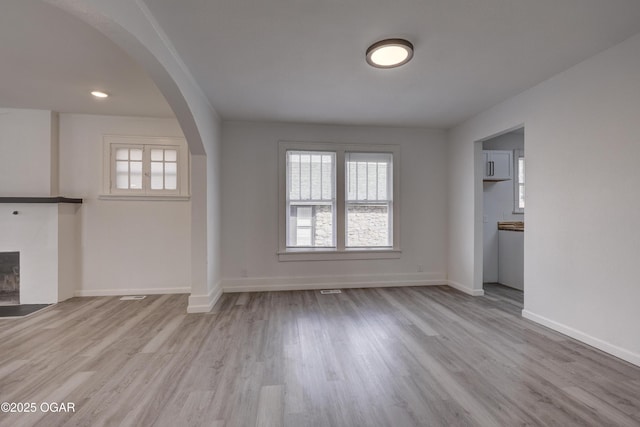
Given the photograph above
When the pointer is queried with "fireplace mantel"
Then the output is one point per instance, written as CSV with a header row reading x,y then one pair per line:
x,y
39,200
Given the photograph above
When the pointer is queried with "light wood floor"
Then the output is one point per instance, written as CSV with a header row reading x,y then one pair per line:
x,y
373,357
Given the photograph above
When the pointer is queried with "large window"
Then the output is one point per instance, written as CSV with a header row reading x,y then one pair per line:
x,y
338,199
145,167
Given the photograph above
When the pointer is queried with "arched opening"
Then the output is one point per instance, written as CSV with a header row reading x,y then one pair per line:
x,y
131,245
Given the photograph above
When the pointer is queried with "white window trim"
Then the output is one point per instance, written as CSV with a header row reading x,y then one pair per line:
x,y
110,193
516,183
340,252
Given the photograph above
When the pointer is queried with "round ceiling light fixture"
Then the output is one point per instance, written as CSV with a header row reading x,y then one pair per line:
x,y
389,53
99,94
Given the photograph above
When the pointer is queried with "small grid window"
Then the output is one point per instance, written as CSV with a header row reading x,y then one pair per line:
x,y
145,166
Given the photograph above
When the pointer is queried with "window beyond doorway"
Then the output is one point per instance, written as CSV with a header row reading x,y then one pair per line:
x,y
519,182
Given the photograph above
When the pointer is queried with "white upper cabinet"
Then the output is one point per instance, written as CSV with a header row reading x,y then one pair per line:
x,y
498,165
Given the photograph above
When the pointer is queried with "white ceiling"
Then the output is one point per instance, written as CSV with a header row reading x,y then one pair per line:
x,y
304,60
51,60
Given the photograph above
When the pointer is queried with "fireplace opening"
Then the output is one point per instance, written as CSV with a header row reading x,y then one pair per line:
x,y
9,278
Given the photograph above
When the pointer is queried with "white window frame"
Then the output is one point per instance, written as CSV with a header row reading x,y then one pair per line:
x,y
146,143
340,252
517,154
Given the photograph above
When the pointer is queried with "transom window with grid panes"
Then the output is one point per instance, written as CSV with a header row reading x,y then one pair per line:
x,y
140,166
339,199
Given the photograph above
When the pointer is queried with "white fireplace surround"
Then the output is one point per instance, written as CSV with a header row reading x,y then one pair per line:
x,y
47,237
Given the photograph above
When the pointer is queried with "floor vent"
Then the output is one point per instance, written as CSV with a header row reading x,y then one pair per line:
x,y
133,297
330,291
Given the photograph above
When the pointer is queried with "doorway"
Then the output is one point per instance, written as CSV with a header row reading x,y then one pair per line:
x,y
503,217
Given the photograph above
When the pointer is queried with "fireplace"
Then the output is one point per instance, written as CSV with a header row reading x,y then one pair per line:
x,y
9,278
46,232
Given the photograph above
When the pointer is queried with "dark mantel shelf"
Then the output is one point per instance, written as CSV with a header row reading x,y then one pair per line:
x,y
39,200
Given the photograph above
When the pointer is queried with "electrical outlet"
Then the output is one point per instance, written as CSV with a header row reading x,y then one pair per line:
x,y
485,219
420,268
244,272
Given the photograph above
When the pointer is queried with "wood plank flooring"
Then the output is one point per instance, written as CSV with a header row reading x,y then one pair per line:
x,y
428,356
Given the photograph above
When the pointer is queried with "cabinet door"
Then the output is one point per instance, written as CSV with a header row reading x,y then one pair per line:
x,y
487,165
498,165
502,165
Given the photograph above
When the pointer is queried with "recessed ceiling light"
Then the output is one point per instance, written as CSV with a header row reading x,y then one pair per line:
x,y
389,53
99,94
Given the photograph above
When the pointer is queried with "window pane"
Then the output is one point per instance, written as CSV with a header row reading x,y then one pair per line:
x,y
304,216
135,154
170,155
305,177
382,182
310,175
327,177
156,155
122,154
294,176
311,226
372,181
316,177
310,180
352,193
170,176
303,236
323,226
367,225
521,170
521,196
361,181
135,175
368,176
122,174
368,180
157,175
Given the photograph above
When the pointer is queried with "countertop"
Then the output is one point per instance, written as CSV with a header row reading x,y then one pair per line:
x,y
511,225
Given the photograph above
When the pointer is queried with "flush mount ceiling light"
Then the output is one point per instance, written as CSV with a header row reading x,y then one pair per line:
x,y
389,53
99,94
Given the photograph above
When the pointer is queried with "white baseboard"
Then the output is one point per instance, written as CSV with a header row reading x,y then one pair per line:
x,y
264,284
122,292
465,289
204,303
605,346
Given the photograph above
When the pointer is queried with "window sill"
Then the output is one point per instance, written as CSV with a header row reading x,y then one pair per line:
x,y
332,255
140,197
